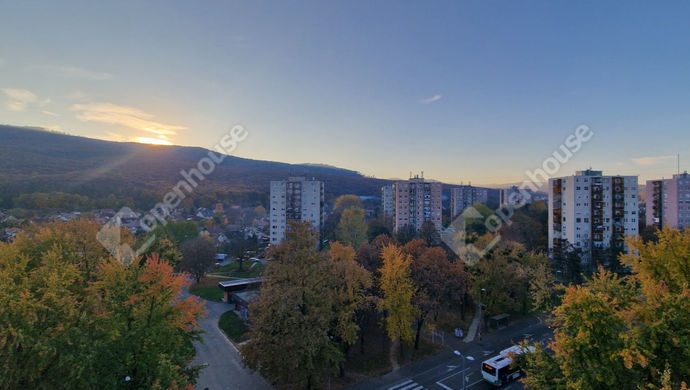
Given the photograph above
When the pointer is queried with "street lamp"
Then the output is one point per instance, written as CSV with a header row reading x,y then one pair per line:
x,y
470,358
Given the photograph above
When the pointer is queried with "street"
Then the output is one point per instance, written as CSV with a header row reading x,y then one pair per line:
x,y
225,369
444,371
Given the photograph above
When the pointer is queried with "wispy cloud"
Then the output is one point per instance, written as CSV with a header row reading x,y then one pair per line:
x,y
49,113
74,72
123,116
432,99
19,99
653,160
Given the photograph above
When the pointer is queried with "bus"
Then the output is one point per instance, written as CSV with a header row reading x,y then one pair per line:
x,y
498,371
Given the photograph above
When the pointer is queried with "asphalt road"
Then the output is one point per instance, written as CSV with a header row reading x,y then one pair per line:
x,y
445,372
225,369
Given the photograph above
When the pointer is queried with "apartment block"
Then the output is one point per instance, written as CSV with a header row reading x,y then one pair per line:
x,y
463,197
416,201
295,199
388,200
590,210
513,196
667,202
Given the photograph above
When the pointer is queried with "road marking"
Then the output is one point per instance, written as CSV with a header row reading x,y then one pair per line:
x,y
474,383
450,376
444,386
407,385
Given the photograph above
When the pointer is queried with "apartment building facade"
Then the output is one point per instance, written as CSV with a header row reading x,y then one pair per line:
x,y
295,199
388,200
667,202
463,197
513,196
415,202
589,210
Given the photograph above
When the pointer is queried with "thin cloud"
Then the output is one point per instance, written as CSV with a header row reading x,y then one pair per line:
x,y
74,72
49,113
653,160
123,116
432,99
19,99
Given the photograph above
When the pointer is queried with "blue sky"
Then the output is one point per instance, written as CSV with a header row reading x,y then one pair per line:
x,y
464,91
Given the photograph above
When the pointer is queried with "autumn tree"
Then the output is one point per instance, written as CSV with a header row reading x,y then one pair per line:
x,y
347,201
623,331
290,341
75,318
429,234
352,229
430,269
198,255
398,290
351,283
369,253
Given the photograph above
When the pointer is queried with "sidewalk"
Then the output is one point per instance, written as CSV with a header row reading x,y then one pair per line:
x,y
474,325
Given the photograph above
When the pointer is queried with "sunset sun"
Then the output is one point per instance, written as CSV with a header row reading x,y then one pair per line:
x,y
152,141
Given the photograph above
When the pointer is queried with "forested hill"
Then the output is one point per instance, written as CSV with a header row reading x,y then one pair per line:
x,y
39,161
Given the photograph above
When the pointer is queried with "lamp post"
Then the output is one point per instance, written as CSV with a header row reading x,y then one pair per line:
x,y
470,358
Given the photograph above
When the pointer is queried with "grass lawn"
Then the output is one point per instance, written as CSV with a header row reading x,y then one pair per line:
x,y
233,326
207,288
249,270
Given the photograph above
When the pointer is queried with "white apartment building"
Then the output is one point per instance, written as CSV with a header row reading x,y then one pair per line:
x,y
417,201
589,209
295,199
463,197
388,200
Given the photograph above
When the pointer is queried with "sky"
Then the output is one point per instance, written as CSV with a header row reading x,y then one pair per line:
x,y
465,91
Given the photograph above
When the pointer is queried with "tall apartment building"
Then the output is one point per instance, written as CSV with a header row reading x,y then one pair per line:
x,y
667,202
463,197
590,210
513,196
295,199
388,200
416,201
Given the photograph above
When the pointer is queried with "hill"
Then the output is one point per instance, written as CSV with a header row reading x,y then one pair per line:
x,y
38,161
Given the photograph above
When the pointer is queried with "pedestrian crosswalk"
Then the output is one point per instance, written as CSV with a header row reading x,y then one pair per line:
x,y
407,385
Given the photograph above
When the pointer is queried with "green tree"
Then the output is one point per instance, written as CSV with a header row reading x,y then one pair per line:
x,y
289,342
352,229
398,289
167,250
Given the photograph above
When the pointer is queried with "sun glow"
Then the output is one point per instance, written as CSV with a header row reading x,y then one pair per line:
x,y
152,141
